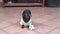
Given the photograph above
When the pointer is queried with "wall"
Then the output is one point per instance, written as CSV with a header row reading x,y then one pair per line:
x,y
0,0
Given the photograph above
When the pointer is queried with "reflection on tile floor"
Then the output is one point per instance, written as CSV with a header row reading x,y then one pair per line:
x,y
46,20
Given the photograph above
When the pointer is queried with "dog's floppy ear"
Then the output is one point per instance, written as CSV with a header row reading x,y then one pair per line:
x,y
30,15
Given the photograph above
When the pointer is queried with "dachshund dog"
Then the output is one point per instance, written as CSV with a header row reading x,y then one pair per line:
x,y
26,19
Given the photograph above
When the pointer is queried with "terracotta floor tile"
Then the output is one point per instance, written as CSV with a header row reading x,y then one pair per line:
x,y
28,32
13,29
58,27
53,22
56,31
3,32
4,24
42,28
44,19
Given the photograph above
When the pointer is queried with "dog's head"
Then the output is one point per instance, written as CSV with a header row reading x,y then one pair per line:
x,y
26,15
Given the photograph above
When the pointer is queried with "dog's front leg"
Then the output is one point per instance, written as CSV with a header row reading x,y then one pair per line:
x,y
22,26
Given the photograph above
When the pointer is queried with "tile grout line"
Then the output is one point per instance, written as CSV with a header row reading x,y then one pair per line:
x,y
38,32
9,25
45,25
4,31
8,32
26,29
58,27
51,30
20,31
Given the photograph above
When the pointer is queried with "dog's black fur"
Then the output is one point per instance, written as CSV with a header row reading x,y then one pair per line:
x,y
26,15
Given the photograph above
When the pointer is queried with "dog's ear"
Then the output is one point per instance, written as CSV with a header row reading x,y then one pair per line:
x,y
30,15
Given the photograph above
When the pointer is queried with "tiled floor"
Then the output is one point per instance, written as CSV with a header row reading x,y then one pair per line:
x,y
46,20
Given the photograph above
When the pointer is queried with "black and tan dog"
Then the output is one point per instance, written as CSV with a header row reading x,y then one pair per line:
x,y
26,19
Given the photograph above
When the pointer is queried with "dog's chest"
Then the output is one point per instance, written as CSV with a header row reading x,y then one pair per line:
x,y
26,19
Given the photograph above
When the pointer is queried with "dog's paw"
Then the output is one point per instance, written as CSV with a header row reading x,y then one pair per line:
x,y
31,27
